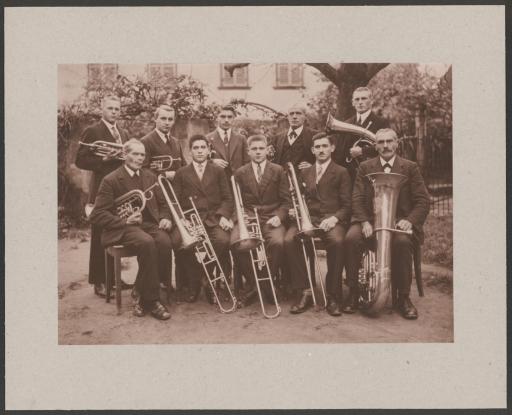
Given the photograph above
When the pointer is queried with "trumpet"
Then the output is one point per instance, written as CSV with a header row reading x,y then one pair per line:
x,y
367,137
307,231
193,235
162,163
105,149
374,279
251,239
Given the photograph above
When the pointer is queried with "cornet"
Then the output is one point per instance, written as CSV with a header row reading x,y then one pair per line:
x,y
162,163
251,240
105,149
306,232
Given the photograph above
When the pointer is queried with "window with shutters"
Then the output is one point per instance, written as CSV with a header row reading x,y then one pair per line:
x,y
102,73
166,70
289,75
239,79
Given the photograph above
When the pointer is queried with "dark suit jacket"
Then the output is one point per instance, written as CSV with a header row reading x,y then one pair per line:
x,y
298,152
114,185
86,160
270,197
212,195
237,156
413,200
331,196
345,141
156,147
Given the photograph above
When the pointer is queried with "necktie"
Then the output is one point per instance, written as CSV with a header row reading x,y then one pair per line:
x,y
360,122
259,172
200,170
318,173
225,139
387,168
292,136
116,135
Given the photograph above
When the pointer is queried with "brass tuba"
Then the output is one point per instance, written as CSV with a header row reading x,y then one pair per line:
x,y
251,239
133,201
105,148
307,232
374,277
367,139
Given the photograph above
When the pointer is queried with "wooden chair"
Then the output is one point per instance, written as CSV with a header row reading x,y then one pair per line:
x,y
117,252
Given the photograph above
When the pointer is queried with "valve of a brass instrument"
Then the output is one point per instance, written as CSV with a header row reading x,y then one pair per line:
x,y
105,149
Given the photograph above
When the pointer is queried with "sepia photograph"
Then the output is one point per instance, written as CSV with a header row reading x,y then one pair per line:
x,y
255,207
255,203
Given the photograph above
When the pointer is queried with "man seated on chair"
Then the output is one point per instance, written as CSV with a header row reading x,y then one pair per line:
x,y
206,185
264,186
145,232
327,192
412,210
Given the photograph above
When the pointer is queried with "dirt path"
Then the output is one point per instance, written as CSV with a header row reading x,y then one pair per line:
x,y
86,319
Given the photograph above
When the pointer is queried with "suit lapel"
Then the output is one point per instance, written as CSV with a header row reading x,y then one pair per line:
x,y
327,173
219,145
233,144
309,179
195,178
251,180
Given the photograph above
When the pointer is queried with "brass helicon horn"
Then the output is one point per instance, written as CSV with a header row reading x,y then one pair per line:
x,y
374,278
367,137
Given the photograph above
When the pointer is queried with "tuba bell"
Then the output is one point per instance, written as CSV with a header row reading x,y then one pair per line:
x,y
374,279
367,137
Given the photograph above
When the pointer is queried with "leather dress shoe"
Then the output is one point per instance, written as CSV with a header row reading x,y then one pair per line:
x,y
249,297
101,290
352,302
305,302
159,311
333,308
138,310
407,309
193,295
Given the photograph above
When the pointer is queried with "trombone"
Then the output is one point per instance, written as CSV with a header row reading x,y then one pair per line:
x,y
251,239
307,232
193,235
105,149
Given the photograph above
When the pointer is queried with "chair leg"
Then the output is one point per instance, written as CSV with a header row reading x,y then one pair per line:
x,y
117,271
107,278
417,269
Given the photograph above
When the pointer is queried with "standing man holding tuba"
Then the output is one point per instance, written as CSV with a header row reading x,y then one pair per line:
x,y
264,186
105,130
346,145
145,231
411,212
327,193
206,185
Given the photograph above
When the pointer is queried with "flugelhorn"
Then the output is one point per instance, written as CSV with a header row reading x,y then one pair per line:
x,y
193,235
367,137
252,240
105,149
133,201
374,277
307,232
162,163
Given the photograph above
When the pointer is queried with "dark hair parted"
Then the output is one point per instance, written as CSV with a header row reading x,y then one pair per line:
x,y
197,137
318,136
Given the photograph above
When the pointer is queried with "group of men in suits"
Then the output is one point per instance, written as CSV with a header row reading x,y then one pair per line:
x,y
320,162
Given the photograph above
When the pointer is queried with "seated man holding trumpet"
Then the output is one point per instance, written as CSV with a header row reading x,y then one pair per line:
x,y
411,211
327,194
145,231
263,185
204,184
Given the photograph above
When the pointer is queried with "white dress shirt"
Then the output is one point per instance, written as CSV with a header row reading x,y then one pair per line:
x,y
255,168
361,118
113,130
162,135
132,172
297,132
391,161
197,166
222,133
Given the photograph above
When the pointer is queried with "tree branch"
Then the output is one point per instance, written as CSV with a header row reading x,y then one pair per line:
x,y
327,70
